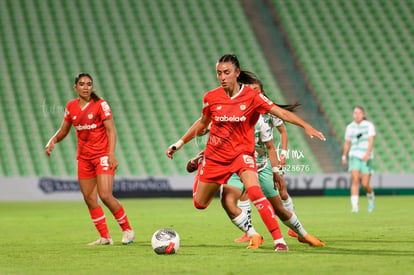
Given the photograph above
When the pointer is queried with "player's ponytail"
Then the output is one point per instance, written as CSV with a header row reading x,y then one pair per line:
x,y
289,107
94,95
246,77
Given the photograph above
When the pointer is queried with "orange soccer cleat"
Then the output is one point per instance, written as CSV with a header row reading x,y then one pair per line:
x,y
255,241
243,239
292,233
311,240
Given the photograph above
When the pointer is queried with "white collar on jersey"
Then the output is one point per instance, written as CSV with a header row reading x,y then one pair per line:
x,y
83,108
236,95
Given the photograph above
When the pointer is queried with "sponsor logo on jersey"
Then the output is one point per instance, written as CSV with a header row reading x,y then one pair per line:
x,y
242,106
219,107
233,118
90,115
248,160
266,99
86,127
105,108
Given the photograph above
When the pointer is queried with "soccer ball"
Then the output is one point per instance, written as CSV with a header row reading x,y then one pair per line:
x,y
165,241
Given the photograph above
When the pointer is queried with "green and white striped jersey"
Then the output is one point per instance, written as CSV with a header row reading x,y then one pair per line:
x,y
263,132
358,135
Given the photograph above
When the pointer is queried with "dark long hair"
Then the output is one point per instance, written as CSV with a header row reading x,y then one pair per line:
x,y
94,96
247,77
289,107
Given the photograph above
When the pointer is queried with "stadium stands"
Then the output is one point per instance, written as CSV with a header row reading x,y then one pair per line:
x,y
152,61
359,53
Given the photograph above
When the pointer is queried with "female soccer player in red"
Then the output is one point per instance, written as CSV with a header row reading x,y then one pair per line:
x,y
95,129
266,161
234,109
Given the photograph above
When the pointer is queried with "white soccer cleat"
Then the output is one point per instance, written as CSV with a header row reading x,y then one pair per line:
x,y
102,241
281,247
128,236
355,210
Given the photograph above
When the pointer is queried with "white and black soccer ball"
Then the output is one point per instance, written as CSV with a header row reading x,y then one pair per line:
x,y
165,241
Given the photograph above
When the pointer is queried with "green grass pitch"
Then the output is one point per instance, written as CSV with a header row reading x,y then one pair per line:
x,y
51,238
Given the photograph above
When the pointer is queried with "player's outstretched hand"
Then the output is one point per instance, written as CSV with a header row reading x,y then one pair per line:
x,y
173,148
311,132
49,148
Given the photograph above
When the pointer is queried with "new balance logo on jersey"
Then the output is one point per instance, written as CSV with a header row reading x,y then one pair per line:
x,y
231,118
85,127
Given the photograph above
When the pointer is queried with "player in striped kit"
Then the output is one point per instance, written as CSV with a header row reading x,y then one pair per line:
x,y
234,109
95,130
359,140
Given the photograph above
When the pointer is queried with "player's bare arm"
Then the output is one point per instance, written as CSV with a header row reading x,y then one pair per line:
x,y
294,119
111,132
57,137
370,144
199,126
347,145
271,149
284,143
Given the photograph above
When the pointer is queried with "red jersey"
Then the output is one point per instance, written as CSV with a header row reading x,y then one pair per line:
x,y
90,130
233,120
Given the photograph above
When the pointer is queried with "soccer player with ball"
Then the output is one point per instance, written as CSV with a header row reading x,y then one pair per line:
x,y
95,129
236,202
234,109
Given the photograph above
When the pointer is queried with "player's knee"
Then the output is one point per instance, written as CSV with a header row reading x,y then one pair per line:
x,y
199,206
107,198
91,201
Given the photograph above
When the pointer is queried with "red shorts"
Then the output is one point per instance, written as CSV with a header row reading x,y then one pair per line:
x,y
213,171
90,168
